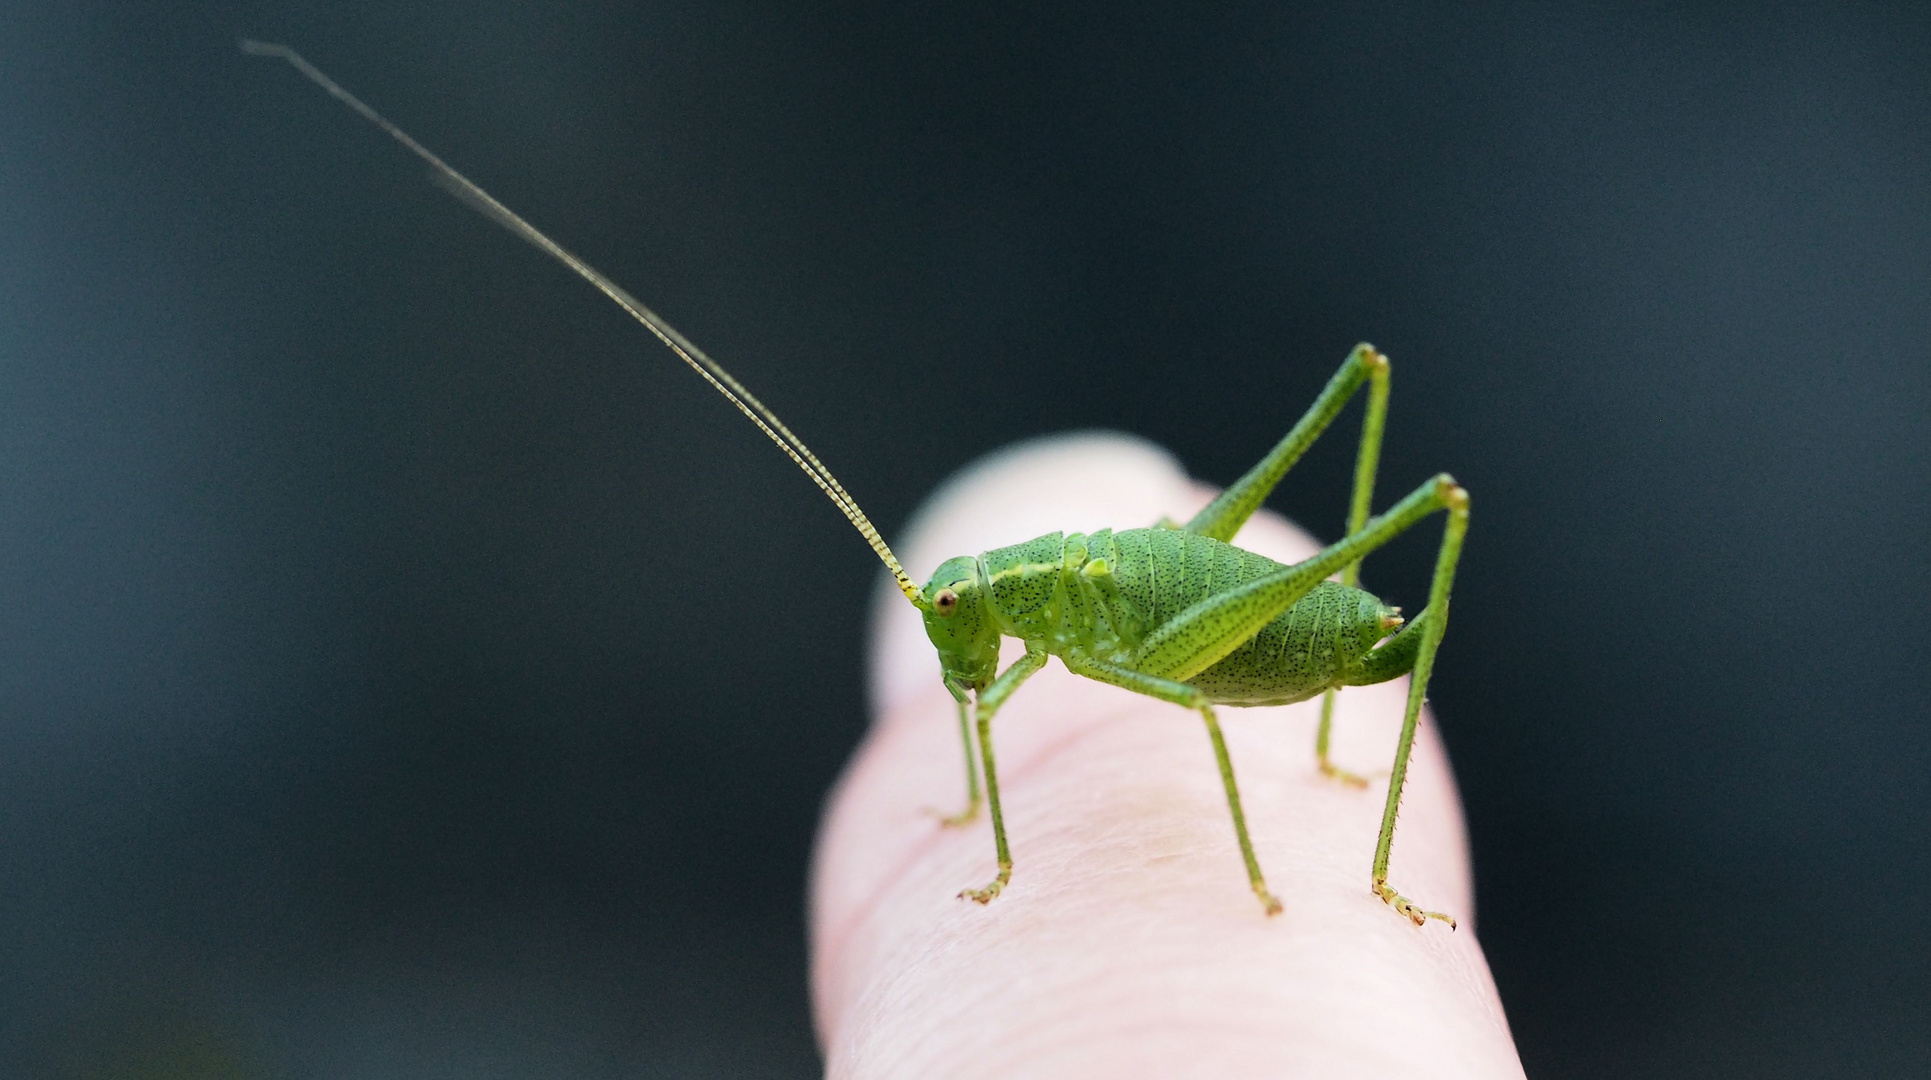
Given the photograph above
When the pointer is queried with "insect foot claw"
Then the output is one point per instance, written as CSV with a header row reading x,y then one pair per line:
x,y
985,895
952,821
1268,902
1406,908
1335,772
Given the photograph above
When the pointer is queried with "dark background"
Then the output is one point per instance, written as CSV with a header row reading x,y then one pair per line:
x,y
388,683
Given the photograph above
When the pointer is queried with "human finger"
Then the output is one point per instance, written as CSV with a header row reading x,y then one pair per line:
x,y
1128,938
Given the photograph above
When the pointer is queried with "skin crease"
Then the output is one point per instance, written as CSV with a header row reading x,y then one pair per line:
x,y
1128,942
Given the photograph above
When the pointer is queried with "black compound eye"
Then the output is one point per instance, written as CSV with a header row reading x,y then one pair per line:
x,y
946,602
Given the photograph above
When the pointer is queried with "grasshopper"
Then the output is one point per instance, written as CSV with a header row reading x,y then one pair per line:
x,y
1175,612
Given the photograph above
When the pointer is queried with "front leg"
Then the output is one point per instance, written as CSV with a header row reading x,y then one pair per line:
x,y
971,812
989,702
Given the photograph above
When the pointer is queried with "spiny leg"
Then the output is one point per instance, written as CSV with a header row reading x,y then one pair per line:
x,y
1180,693
1269,903
1373,420
1431,624
1223,517
1321,735
989,702
971,811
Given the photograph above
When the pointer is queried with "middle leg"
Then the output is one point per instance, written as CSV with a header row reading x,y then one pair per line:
x,y
1181,694
971,812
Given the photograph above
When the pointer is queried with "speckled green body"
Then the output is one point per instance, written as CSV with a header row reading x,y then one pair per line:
x,y
1100,595
1178,613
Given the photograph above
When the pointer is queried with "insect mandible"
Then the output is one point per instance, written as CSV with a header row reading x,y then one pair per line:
x,y
1174,612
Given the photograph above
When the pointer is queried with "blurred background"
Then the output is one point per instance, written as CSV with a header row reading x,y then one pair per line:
x,y
388,684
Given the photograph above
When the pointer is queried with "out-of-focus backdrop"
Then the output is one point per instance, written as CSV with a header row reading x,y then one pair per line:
x,y
389,679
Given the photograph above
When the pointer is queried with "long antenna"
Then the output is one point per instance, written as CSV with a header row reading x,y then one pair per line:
x,y
713,372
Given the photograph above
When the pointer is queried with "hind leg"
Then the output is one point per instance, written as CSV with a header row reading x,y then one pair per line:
x,y
1365,460
1432,623
1223,517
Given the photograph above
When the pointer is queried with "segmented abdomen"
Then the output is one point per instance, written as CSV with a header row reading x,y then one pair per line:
x,y
1292,658
1164,571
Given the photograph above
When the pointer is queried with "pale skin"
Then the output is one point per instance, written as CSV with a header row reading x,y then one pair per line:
x,y
1130,946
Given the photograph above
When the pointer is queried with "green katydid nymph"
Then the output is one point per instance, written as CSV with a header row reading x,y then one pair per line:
x,y
1175,612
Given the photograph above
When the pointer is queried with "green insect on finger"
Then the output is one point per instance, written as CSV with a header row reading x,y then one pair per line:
x,y
1174,613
